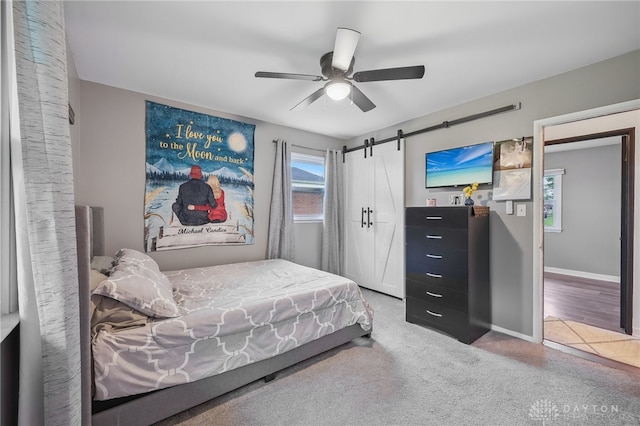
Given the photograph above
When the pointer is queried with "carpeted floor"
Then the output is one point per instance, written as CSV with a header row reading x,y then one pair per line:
x,y
410,375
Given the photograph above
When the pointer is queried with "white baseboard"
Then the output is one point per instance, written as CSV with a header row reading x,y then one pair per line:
x,y
635,331
582,274
512,333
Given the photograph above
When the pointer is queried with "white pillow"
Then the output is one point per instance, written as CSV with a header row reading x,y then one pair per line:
x,y
96,278
102,264
136,281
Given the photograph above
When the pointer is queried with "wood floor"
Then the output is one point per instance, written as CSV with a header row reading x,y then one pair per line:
x,y
583,300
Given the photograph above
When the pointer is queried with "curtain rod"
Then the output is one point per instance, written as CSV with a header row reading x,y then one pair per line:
x,y
369,143
306,147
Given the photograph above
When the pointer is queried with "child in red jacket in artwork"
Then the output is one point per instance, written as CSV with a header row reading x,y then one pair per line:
x,y
216,214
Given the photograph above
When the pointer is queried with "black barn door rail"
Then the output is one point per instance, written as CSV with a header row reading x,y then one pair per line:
x,y
369,143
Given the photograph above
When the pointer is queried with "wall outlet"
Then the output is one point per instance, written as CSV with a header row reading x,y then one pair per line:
x,y
521,209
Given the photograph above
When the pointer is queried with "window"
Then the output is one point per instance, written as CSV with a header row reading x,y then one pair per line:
x,y
552,190
307,186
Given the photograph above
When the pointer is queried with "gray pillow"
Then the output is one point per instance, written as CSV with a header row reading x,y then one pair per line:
x,y
136,281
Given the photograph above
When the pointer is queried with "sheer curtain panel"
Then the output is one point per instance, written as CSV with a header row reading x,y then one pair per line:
x,y
333,225
45,225
280,237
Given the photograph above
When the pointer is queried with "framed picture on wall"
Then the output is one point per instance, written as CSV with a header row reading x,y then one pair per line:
x,y
199,179
512,169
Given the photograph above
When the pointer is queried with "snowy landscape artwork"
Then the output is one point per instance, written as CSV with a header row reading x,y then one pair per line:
x,y
512,169
199,179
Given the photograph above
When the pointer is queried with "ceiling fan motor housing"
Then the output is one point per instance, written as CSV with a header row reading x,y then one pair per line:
x,y
331,72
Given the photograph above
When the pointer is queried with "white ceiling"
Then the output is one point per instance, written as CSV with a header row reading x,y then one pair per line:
x,y
206,53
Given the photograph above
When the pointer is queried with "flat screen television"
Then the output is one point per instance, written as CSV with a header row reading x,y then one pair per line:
x,y
460,166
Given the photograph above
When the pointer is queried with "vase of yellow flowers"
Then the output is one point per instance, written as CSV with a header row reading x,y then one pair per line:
x,y
468,191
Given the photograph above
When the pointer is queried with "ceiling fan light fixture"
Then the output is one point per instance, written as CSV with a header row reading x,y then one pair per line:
x,y
338,90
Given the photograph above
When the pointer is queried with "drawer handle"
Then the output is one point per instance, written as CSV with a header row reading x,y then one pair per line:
x,y
434,294
434,217
434,314
434,256
434,237
434,275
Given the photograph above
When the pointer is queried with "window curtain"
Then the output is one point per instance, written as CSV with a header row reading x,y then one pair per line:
x,y
50,389
333,224
280,237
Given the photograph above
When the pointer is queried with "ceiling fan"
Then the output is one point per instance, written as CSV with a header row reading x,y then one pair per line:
x,y
337,67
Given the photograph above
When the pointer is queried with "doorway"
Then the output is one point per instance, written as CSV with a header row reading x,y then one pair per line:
x,y
615,120
584,298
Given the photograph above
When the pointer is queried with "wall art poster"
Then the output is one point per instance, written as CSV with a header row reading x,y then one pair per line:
x,y
199,179
512,169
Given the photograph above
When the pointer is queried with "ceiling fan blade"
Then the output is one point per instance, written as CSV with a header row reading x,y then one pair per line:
x,y
309,100
344,48
402,73
361,100
308,77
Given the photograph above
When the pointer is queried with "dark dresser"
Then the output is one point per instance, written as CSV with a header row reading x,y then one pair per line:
x,y
447,270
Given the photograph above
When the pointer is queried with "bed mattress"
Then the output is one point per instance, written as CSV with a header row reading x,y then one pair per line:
x,y
231,315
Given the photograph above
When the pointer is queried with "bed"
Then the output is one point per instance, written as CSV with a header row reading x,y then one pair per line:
x,y
195,334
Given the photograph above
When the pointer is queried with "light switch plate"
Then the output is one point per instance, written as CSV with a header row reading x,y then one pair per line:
x,y
509,206
521,209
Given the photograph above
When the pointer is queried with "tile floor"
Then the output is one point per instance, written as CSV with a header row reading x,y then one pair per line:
x,y
608,344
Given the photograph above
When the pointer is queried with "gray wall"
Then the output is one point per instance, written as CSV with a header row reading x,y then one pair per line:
x,y
110,169
590,237
605,83
110,172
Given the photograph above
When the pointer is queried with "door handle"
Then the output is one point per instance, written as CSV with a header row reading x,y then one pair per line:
x,y
369,211
362,219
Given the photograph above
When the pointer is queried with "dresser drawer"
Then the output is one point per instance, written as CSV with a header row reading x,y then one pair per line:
x,y
447,263
437,217
455,299
437,316
458,282
435,238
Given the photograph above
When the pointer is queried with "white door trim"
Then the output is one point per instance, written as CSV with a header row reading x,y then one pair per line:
x,y
538,173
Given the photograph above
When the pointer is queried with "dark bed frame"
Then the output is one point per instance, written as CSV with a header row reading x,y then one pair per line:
x,y
154,406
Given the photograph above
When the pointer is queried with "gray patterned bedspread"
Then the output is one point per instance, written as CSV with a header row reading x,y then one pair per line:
x,y
232,315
